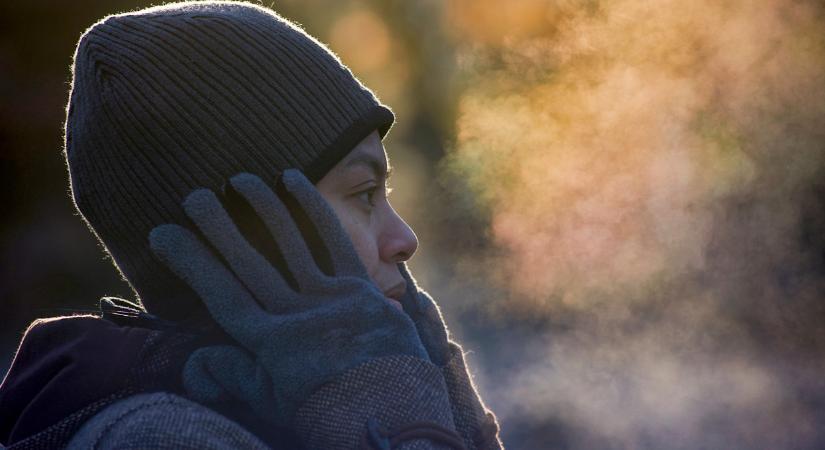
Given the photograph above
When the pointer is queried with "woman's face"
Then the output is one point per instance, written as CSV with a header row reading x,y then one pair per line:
x,y
356,188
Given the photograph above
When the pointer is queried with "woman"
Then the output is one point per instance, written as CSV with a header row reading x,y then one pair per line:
x,y
233,169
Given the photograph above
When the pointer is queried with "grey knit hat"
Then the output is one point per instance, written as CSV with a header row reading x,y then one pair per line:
x,y
171,98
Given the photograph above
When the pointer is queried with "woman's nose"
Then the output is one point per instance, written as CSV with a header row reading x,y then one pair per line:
x,y
398,241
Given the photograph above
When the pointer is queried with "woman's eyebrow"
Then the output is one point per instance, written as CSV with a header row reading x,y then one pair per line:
x,y
378,166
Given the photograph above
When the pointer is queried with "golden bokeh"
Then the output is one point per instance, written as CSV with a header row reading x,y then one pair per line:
x,y
615,148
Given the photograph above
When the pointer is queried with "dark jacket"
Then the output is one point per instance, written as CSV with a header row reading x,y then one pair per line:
x,y
89,382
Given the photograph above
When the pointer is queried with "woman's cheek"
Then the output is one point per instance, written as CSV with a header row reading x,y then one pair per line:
x,y
366,251
363,241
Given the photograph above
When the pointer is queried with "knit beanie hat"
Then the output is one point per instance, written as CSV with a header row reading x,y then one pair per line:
x,y
172,98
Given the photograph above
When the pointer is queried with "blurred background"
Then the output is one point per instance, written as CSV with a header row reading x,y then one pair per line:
x,y
621,204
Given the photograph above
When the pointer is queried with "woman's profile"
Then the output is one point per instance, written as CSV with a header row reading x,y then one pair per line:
x,y
233,169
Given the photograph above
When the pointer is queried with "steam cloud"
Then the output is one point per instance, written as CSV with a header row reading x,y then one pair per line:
x,y
652,173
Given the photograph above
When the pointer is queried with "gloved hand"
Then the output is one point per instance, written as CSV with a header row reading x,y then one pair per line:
x,y
474,422
294,338
427,318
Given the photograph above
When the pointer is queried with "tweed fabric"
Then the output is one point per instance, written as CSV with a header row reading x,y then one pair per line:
x,y
172,98
162,421
476,424
57,435
394,391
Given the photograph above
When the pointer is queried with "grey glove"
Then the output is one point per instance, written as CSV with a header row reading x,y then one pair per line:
x,y
427,318
476,424
294,339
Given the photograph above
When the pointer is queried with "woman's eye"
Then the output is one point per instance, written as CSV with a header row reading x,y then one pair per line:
x,y
367,196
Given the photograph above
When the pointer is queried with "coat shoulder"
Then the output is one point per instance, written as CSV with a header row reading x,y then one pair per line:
x,y
162,421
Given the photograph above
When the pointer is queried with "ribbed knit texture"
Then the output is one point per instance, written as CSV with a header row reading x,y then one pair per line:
x,y
172,98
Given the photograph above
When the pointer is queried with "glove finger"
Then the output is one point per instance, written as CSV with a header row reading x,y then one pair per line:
x,y
411,301
222,373
201,381
432,330
350,326
227,300
344,259
279,222
427,317
265,282
417,302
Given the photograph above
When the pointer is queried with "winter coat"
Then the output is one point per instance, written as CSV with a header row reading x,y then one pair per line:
x,y
110,382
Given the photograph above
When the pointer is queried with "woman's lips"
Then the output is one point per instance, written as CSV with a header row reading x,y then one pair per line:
x,y
395,294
